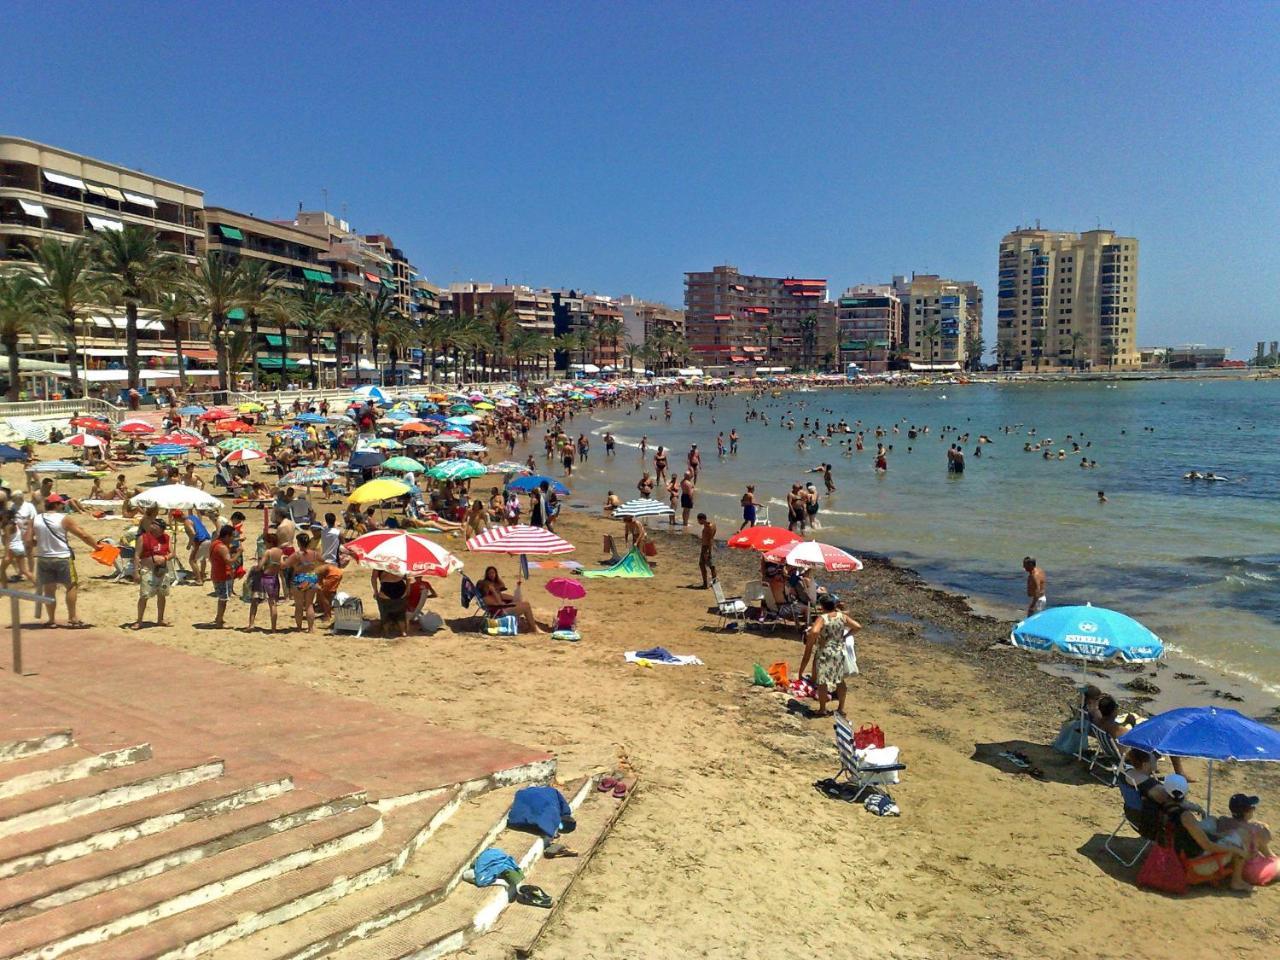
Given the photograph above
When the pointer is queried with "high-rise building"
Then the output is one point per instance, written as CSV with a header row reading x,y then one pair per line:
x,y
644,319
869,322
735,319
941,318
357,265
1067,298
534,309
599,319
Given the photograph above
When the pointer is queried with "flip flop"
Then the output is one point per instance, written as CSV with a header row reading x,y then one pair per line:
x,y
620,790
606,784
532,896
828,788
557,850
1014,759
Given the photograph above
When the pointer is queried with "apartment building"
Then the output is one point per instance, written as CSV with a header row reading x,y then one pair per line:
x,y
356,265
534,309
402,274
869,325
600,318
941,318
737,319
1067,298
643,319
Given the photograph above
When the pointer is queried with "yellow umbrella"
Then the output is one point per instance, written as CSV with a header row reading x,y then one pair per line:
x,y
375,491
484,405
251,408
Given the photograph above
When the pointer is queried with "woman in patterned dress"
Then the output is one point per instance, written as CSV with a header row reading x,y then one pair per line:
x,y
824,642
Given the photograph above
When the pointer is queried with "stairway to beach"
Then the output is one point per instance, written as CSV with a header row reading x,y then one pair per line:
x,y
200,819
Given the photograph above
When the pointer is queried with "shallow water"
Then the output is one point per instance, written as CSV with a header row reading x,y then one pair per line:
x,y
1197,561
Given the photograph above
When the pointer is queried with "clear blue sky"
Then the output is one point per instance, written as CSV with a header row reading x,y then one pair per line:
x,y
611,147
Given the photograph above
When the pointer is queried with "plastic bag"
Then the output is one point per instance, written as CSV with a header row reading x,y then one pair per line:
x,y
761,677
778,671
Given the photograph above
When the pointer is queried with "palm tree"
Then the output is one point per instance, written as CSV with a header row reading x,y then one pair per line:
x,y
22,316
1111,349
132,267
340,321
258,280
217,288
174,306
606,332
501,315
400,336
771,331
67,286
974,347
931,335
312,310
809,338
632,350
374,315
1005,350
1077,341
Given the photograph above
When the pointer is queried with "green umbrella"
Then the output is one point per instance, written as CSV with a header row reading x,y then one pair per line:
x,y
403,464
462,408
456,470
238,443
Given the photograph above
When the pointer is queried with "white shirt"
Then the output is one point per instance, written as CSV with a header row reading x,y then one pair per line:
x,y
22,519
330,540
51,536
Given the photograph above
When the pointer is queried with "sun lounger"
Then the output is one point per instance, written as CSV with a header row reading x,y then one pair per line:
x,y
729,608
868,770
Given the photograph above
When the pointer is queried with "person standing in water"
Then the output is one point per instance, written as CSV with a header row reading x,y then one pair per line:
x,y
1035,586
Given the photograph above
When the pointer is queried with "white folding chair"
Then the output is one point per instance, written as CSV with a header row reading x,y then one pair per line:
x,y
729,608
1107,761
862,768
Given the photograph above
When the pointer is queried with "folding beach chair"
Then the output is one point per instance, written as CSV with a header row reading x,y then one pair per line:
x,y
611,548
868,770
1132,807
348,615
729,608
1107,761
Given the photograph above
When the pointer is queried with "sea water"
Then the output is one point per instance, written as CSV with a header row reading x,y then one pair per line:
x,y
1197,561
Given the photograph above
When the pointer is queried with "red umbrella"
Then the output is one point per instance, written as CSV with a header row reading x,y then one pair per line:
x,y
136,427
84,440
217,413
562,588
90,423
233,426
810,553
181,439
408,554
762,538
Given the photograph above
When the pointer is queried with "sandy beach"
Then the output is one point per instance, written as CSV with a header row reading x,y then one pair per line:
x,y
727,849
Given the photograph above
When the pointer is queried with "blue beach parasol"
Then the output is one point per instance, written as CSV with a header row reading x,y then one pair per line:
x,y
1210,733
1088,632
531,483
167,450
192,411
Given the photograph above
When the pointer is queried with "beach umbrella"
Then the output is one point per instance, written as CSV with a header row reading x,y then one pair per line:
x,y
182,439
29,430
459,408
448,440
1209,733
194,410
811,553
763,539
382,443
507,466
404,553
375,491
250,407
166,450
237,443
88,422
307,477
1088,632
562,588
470,447
84,440
244,455
456,470
403,464
310,418
364,459
176,496
9,454
55,466
419,442
217,413
371,393
135,428
643,507
533,482
233,426
519,539
415,426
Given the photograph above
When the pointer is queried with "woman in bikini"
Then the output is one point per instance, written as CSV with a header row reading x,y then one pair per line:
x,y
498,601
301,570
264,579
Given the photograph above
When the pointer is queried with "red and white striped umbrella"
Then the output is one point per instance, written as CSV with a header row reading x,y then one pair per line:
x,y
181,439
84,440
408,554
811,553
135,427
520,538
244,455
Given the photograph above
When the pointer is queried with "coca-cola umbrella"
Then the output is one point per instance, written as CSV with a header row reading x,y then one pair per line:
x,y
84,440
404,553
135,428
811,553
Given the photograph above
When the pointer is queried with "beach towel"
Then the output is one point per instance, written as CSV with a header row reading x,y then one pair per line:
x,y
491,865
661,655
632,566
507,626
541,809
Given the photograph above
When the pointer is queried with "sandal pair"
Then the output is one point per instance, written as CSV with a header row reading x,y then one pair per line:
x,y
615,785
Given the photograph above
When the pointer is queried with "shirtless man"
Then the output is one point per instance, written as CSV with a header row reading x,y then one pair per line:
x,y
1035,586
686,497
706,542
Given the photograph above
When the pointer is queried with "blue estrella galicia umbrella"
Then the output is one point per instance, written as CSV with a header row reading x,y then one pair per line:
x,y
1211,733
1088,632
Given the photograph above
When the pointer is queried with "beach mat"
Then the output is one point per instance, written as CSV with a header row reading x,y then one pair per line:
x,y
632,566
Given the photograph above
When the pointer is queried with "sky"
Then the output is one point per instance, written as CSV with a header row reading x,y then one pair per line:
x,y
612,147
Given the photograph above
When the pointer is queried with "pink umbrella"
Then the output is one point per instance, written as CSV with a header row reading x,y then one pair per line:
x,y
519,539
810,553
409,554
562,588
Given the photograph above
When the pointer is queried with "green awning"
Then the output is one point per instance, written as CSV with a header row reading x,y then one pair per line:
x,y
854,345
230,233
317,276
236,314
274,340
273,363
388,284
330,345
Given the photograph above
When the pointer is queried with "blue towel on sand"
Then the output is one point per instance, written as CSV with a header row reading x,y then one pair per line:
x,y
540,808
492,864
661,654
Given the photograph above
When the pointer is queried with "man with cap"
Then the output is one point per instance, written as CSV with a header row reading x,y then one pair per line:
x,y
55,561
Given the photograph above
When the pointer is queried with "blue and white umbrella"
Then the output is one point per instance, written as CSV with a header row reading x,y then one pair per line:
x,y
1210,733
470,448
55,466
371,393
167,450
1091,633
194,410
531,483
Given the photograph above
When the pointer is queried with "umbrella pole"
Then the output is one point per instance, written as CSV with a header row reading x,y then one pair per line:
x,y
1208,800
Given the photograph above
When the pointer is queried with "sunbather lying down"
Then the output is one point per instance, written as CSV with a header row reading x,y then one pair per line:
x,y
493,592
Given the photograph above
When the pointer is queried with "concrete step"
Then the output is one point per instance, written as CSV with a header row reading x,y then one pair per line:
x,y
72,880
427,879
13,749
518,929
112,788
61,766
97,919
467,913
285,898
107,829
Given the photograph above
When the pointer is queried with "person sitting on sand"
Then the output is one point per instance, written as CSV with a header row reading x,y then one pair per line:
x,y
824,643
611,502
1261,865
1205,857
497,601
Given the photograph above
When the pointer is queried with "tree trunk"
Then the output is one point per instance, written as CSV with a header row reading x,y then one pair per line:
x,y
131,343
220,348
337,359
73,360
11,346
177,349
253,350
311,359
373,346
284,352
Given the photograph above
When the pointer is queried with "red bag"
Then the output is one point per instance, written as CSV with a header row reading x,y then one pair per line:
x,y
1163,870
868,736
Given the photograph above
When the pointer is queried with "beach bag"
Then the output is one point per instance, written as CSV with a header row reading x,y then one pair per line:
x,y
778,673
850,655
1261,870
1163,870
760,677
1072,738
649,549
868,737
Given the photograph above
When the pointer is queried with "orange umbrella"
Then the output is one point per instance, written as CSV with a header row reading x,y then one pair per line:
x,y
233,426
415,428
